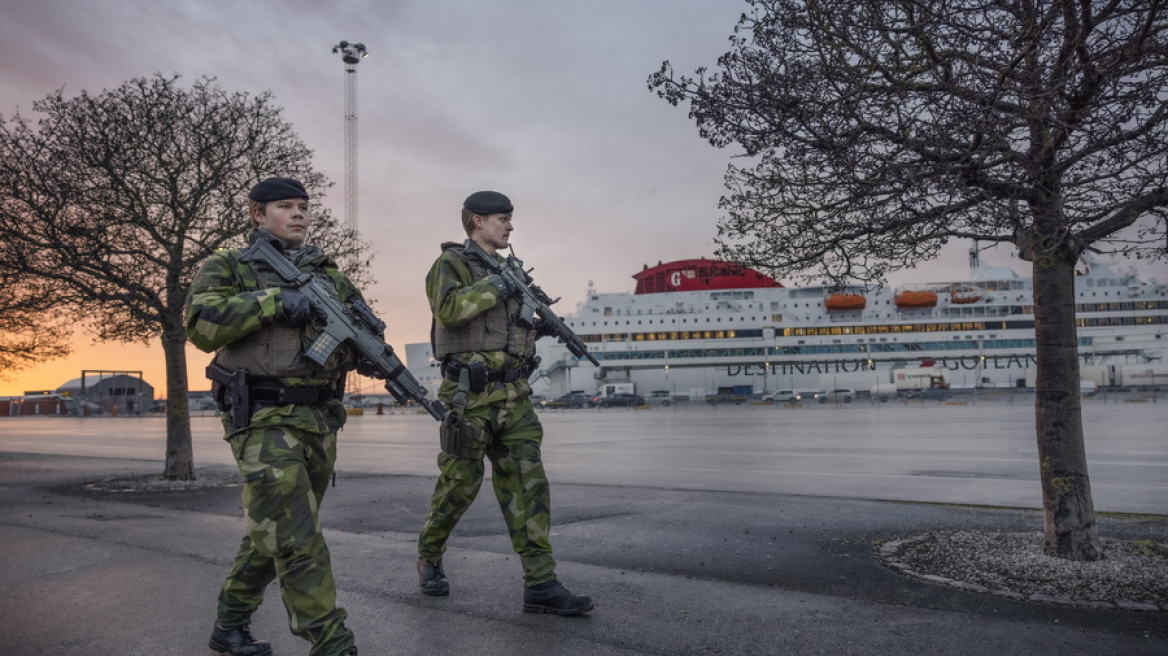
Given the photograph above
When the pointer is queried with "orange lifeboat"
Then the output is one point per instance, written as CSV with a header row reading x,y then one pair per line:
x,y
907,300
964,296
845,302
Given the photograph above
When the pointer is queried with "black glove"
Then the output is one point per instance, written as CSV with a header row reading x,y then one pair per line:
x,y
365,367
298,308
504,284
545,328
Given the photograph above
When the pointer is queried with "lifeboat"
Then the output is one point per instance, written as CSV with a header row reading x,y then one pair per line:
x,y
964,296
908,300
845,302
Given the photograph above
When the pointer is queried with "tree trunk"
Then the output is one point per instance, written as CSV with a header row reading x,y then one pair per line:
x,y
1068,511
180,457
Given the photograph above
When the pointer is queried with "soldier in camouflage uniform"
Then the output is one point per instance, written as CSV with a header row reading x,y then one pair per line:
x,y
486,358
286,447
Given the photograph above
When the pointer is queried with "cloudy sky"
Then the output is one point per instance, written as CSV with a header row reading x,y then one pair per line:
x,y
545,101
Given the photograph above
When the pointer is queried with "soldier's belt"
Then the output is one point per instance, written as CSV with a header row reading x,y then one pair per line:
x,y
480,375
270,394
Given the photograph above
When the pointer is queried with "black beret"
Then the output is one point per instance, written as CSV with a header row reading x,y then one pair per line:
x,y
277,189
488,202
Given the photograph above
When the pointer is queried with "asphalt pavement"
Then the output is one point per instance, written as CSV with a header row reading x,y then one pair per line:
x,y
672,571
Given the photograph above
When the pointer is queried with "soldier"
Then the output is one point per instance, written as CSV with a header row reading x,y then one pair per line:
x,y
285,443
486,358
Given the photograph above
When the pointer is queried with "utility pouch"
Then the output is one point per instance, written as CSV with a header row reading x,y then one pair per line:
x,y
460,439
478,376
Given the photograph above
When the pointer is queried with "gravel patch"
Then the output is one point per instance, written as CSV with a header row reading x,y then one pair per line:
x,y
207,477
1132,576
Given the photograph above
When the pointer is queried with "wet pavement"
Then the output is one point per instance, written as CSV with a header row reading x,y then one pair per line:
x,y
673,569
982,452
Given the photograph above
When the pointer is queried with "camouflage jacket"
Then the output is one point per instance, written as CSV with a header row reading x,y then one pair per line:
x,y
225,303
456,297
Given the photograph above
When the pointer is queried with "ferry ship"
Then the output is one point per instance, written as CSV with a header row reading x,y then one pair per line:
x,y
693,327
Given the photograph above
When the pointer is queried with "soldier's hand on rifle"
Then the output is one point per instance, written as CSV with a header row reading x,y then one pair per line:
x,y
507,288
365,367
299,309
545,328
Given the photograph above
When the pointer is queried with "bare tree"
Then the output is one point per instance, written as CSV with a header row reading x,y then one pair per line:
x,y
873,131
115,199
30,331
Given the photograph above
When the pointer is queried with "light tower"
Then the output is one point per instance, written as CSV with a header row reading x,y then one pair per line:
x,y
351,54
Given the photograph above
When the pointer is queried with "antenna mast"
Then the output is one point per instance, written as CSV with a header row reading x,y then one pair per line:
x,y
351,55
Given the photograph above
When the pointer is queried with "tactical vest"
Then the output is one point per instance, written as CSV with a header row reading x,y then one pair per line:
x,y
274,351
496,329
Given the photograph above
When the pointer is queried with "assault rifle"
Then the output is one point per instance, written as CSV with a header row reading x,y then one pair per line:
x,y
356,325
534,300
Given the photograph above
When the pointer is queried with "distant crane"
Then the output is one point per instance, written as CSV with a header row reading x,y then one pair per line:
x,y
351,55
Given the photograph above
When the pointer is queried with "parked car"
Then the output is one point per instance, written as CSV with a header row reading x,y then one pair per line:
x,y
837,395
783,396
660,397
933,393
619,400
574,401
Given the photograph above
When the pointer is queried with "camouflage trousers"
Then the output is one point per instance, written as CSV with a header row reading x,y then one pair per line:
x,y
286,472
521,488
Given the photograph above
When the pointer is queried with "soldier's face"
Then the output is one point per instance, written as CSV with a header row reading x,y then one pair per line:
x,y
494,231
287,219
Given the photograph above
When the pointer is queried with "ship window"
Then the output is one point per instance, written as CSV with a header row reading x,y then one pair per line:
x,y
607,312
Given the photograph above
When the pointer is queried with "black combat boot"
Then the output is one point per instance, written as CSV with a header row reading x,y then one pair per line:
x,y
432,578
551,597
237,641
